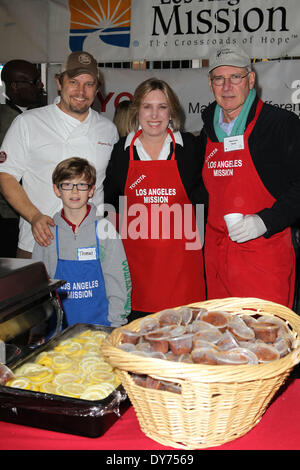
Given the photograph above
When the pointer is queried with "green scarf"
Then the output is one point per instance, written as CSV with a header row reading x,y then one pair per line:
x,y
240,123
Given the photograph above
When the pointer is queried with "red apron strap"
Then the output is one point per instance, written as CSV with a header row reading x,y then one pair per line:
x,y
138,133
253,122
173,141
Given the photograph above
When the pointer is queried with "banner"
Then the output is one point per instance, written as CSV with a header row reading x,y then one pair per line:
x,y
277,83
23,30
46,31
191,29
101,27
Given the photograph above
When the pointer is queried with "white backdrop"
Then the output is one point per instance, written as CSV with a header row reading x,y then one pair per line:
x,y
277,82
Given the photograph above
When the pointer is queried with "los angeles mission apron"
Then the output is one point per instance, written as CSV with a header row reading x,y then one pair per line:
x,y
164,273
262,268
83,296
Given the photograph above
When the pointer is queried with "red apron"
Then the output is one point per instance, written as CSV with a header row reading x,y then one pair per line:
x,y
164,273
262,268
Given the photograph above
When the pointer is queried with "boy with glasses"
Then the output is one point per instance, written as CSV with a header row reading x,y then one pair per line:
x,y
86,252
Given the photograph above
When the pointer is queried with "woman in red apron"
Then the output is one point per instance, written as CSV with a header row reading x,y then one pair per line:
x,y
158,228
257,267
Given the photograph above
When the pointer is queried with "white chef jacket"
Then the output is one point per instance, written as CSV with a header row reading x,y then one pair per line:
x,y
39,139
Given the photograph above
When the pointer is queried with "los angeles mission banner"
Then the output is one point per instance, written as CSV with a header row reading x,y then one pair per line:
x,y
191,29
46,31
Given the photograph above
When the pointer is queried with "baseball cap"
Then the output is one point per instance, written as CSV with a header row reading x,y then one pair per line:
x,y
80,62
230,55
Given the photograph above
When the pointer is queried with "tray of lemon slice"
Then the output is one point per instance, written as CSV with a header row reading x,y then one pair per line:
x,y
66,385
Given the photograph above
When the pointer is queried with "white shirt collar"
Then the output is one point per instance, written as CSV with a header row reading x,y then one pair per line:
x,y
226,126
21,108
165,151
67,118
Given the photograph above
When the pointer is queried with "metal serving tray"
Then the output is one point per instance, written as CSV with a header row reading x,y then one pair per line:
x,y
28,303
59,413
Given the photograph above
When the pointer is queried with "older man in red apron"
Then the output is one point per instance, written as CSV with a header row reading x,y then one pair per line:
x,y
250,167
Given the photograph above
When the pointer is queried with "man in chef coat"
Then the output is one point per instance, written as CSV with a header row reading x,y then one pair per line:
x,y
40,138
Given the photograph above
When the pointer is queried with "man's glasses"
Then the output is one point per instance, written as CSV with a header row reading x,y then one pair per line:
x,y
234,79
35,82
71,186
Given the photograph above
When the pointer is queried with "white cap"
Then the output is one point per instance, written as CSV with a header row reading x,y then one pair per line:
x,y
230,55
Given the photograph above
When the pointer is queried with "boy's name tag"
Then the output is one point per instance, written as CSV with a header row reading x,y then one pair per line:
x,y
86,254
236,142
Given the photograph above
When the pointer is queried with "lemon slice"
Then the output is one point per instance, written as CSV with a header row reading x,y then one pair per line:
x,y
27,368
35,387
93,395
91,341
71,390
64,343
37,381
104,388
20,382
48,387
107,387
53,353
39,377
85,333
73,349
89,361
102,366
66,377
82,340
61,362
44,359
100,334
86,354
100,376
91,346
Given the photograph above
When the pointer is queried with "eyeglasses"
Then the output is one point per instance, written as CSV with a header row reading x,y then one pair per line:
x,y
71,186
35,82
234,79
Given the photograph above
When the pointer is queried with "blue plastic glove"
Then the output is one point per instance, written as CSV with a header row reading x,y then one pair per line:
x,y
248,228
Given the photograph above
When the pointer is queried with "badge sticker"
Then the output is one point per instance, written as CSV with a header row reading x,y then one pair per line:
x,y
85,254
233,143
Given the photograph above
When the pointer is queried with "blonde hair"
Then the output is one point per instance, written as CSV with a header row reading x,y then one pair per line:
x,y
72,168
121,117
142,90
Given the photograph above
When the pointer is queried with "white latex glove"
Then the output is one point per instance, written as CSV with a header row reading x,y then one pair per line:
x,y
248,228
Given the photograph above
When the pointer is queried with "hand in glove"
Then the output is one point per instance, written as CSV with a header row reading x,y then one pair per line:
x,y
248,228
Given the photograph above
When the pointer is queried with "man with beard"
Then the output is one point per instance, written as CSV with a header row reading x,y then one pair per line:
x,y
40,138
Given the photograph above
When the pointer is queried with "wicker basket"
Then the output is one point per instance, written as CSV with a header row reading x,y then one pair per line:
x,y
217,404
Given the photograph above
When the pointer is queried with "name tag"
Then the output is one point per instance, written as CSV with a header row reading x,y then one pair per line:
x,y
236,142
85,254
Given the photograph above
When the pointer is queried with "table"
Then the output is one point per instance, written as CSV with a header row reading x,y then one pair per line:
x,y
279,429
